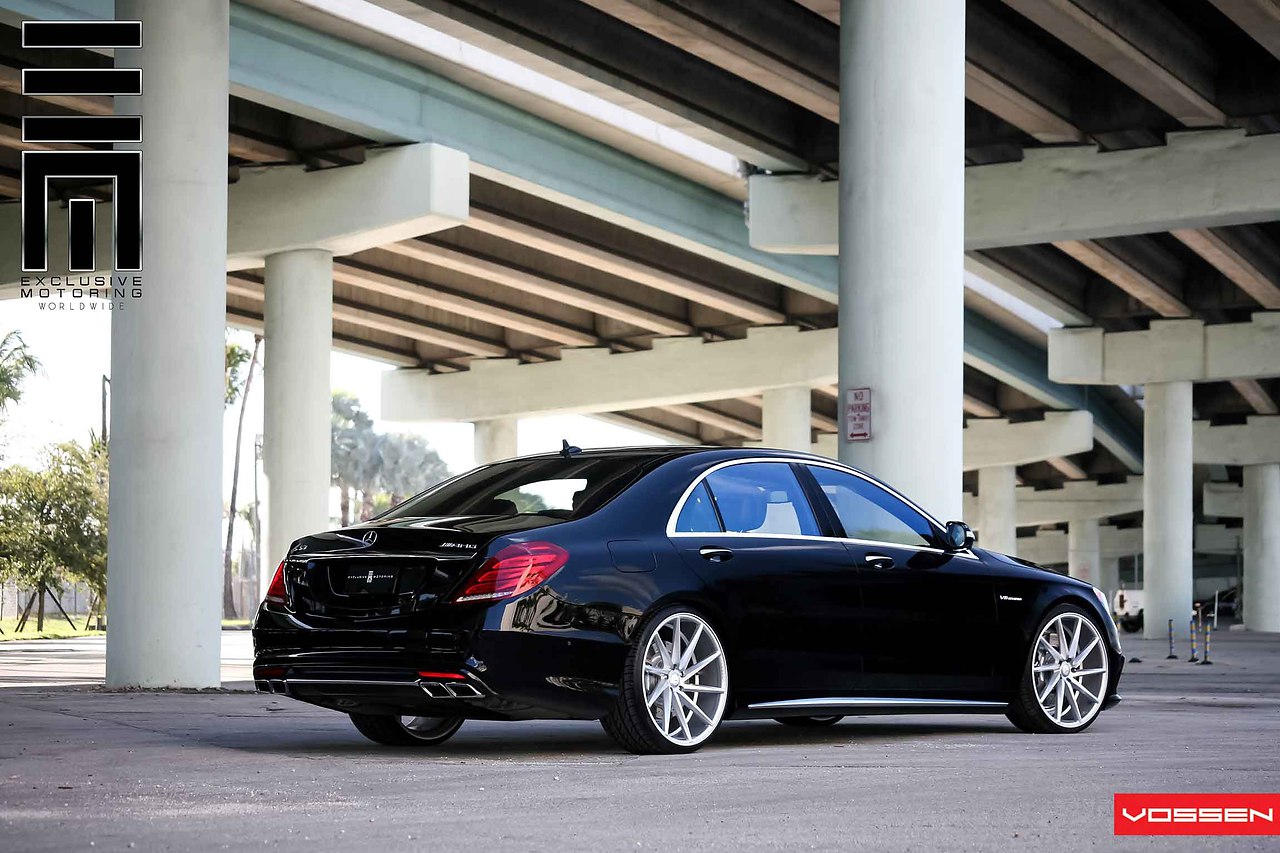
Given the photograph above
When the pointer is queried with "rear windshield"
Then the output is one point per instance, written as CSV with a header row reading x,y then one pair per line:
x,y
553,488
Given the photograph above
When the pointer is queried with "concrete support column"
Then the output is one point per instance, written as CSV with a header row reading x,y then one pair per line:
x,y
1108,575
495,440
1084,550
296,397
164,557
902,240
785,418
1262,547
998,509
1168,521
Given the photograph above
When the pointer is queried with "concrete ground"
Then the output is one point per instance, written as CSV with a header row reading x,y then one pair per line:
x,y
83,768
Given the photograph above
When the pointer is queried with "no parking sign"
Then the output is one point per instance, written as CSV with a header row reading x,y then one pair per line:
x,y
857,414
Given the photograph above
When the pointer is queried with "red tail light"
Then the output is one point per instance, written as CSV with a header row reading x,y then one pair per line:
x,y
275,592
513,570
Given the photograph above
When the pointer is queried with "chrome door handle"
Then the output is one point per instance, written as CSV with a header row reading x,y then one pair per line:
x,y
714,554
878,561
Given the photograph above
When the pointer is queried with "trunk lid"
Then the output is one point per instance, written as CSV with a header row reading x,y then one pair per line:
x,y
390,569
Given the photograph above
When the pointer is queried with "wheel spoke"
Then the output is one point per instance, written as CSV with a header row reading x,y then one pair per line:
x,y
1056,655
690,647
676,637
682,719
1048,688
1071,697
693,706
1079,685
657,692
662,651
701,688
1045,667
1062,689
1076,660
702,664
1083,672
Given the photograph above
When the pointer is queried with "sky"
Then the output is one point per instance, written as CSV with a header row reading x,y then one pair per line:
x,y
63,402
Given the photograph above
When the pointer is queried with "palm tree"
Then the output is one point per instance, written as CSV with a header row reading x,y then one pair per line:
x,y
350,431
16,364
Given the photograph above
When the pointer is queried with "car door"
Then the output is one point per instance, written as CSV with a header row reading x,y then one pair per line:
x,y
749,531
928,615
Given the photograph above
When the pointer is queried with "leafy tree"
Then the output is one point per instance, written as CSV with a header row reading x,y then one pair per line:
x,y
53,521
16,364
236,358
367,463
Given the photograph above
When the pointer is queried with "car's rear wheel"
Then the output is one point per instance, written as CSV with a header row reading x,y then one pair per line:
x,y
391,730
1066,677
675,686
809,722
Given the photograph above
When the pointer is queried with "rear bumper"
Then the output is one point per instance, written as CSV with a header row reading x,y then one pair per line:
x,y
502,674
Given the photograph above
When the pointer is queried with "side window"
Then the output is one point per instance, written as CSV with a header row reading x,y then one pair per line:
x,y
762,497
698,515
867,511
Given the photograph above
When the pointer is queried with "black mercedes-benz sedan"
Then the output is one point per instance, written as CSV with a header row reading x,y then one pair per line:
x,y
664,590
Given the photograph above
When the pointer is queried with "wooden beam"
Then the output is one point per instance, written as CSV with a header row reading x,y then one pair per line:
x,y
712,418
1259,18
525,281
238,145
742,57
595,257
1227,259
466,306
1069,469
387,321
1124,276
1019,109
1140,44
980,408
1256,396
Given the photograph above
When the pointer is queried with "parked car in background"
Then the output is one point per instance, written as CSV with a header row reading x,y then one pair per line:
x,y
1126,608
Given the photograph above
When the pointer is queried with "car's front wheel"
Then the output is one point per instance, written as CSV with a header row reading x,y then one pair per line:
x,y
391,730
1066,676
675,686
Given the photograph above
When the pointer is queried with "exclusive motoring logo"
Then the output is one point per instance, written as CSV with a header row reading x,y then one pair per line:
x,y
58,156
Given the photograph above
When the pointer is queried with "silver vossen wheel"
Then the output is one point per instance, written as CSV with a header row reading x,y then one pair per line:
x,y
685,679
1069,670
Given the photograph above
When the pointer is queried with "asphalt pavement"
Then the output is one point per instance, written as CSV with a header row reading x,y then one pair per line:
x,y
82,768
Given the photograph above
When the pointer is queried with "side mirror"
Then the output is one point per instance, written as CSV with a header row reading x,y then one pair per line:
x,y
958,536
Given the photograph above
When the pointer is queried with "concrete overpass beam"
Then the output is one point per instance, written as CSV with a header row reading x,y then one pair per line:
x,y
995,441
164,556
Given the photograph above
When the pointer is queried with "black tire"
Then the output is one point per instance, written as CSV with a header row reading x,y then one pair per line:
x,y
1131,624
629,723
391,730
1025,712
808,722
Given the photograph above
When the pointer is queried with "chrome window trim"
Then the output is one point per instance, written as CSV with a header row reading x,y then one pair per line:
x,y
675,513
876,702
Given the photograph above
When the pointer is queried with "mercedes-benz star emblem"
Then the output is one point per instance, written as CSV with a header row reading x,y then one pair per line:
x,y
370,537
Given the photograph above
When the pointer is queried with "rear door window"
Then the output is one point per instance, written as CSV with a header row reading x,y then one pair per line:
x,y
762,497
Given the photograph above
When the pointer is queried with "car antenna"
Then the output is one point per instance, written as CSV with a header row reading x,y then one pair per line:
x,y
567,449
